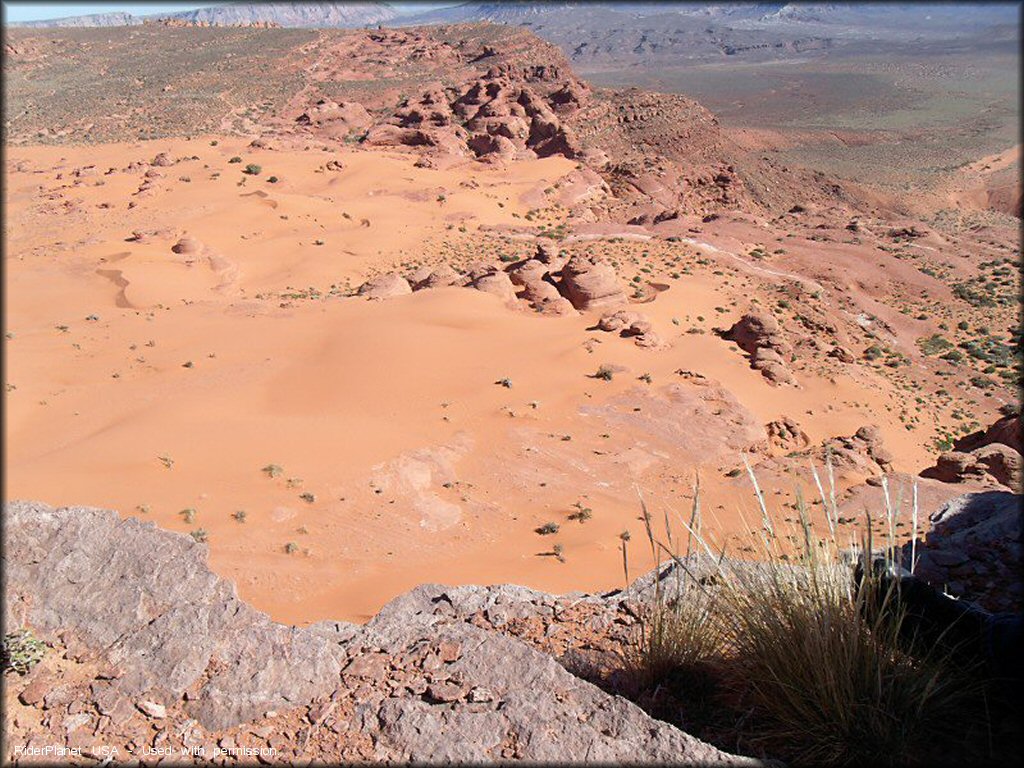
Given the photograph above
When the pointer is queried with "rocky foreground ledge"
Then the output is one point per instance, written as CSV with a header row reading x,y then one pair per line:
x,y
155,656
159,655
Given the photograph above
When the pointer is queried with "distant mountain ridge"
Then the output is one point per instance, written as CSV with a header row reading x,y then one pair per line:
x,y
295,14
115,19
350,14
357,13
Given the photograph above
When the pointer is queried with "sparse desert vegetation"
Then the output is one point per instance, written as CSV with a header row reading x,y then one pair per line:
x,y
357,345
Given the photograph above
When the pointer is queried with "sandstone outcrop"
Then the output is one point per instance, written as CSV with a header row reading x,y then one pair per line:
x,y
758,329
996,462
1006,431
758,333
862,452
990,455
497,117
335,119
536,281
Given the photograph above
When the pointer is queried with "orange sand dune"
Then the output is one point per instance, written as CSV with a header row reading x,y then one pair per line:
x,y
153,382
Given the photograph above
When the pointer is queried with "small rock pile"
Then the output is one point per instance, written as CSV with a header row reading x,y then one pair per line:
x,y
632,325
785,434
545,283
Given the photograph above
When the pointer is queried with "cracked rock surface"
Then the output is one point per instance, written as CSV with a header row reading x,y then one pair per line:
x,y
158,650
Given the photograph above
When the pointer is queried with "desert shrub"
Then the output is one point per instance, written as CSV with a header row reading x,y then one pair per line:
x,y
547,529
558,551
934,344
953,356
973,295
235,159
582,513
605,373
21,651
989,349
804,661
252,169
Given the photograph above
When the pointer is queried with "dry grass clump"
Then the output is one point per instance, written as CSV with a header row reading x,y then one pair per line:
x,y
792,656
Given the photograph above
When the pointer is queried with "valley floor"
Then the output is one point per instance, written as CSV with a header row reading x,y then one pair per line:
x,y
183,346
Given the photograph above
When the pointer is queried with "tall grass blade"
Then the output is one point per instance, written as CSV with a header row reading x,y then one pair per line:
x,y
760,498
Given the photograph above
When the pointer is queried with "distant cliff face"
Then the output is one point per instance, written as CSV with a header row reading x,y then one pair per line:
x,y
356,14
92,20
310,15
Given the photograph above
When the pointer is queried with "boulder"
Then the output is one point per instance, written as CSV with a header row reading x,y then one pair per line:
x,y
590,284
632,325
755,329
418,276
548,254
992,463
776,373
757,332
538,288
954,467
1001,462
786,435
862,452
842,354
766,355
440,277
385,287
497,283
1006,430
